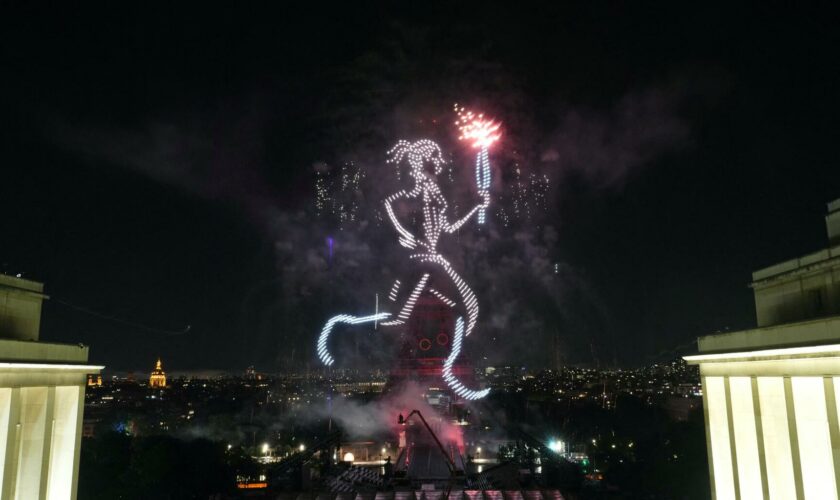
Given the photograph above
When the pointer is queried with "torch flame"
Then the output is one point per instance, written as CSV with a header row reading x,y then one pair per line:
x,y
474,127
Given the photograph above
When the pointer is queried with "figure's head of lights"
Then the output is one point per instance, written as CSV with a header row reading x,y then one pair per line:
x,y
419,154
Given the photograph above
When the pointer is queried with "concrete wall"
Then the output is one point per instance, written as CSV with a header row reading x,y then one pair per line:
x,y
820,331
20,308
41,409
42,352
771,395
832,222
799,289
772,428
42,390
802,288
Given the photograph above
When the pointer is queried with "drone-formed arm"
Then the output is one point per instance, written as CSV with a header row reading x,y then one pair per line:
x,y
406,238
451,228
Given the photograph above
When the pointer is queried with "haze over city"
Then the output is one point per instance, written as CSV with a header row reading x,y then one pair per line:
x,y
433,251
168,166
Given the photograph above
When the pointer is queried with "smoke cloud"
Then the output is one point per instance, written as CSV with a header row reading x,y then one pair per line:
x,y
529,296
607,147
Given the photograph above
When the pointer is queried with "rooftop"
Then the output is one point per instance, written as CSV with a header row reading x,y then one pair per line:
x,y
21,284
813,332
811,261
42,352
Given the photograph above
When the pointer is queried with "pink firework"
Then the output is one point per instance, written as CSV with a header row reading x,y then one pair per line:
x,y
483,132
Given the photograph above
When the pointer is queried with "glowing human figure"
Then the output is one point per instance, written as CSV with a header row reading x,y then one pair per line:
x,y
419,155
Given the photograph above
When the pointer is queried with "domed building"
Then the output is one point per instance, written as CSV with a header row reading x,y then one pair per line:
x,y
158,377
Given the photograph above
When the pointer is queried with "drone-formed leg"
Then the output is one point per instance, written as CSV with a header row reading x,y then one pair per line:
x,y
467,295
450,379
395,288
323,352
443,298
405,313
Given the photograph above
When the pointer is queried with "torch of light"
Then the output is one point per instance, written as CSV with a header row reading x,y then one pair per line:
x,y
482,132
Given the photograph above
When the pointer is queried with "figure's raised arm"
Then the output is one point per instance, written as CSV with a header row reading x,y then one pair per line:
x,y
452,227
406,238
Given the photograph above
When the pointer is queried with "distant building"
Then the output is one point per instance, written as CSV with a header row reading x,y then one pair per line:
x,y
158,377
252,374
771,394
42,391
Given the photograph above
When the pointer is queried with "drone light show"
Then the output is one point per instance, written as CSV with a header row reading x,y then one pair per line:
x,y
440,278
482,133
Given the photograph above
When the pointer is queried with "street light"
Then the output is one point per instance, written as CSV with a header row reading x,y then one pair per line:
x,y
265,448
301,447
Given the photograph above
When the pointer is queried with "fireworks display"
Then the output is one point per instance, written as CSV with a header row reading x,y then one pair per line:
x,y
475,128
526,198
337,195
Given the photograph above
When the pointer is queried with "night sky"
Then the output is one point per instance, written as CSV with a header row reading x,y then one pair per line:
x,y
159,166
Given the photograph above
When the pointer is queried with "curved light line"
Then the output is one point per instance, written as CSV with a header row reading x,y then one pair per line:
x,y
449,377
323,353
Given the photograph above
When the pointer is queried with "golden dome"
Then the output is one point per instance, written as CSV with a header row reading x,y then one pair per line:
x,y
158,376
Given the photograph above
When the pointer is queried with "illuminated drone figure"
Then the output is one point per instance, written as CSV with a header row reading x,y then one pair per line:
x,y
482,132
438,274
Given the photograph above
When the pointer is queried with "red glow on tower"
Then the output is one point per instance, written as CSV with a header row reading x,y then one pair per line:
x,y
426,343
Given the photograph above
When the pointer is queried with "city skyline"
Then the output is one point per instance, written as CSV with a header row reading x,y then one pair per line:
x,y
163,196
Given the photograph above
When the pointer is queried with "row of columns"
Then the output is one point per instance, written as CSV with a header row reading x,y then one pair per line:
x,y
40,441
807,484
